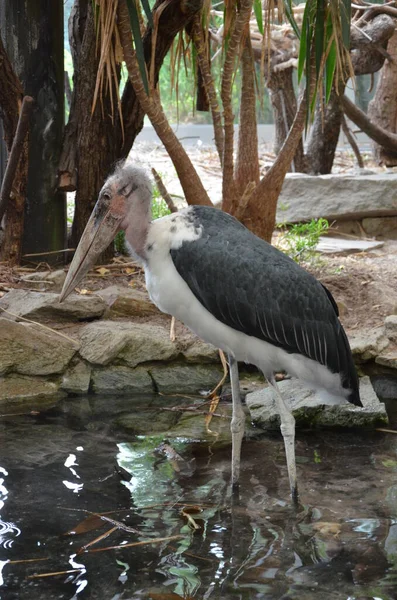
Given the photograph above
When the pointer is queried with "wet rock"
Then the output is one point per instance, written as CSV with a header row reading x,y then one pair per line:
x,y
147,422
51,281
122,380
14,389
200,352
30,350
391,327
309,410
126,303
37,305
367,344
129,343
385,386
76,380
193,427
304,197
185,379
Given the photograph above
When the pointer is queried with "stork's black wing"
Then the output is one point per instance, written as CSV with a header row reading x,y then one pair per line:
x,y
254,288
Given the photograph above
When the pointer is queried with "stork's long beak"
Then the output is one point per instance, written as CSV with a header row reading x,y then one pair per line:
x,y
100,231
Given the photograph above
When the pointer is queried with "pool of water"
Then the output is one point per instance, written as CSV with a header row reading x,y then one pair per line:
x,y
61,467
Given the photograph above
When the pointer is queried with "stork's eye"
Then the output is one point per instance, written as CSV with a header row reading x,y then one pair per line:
x,y
106,195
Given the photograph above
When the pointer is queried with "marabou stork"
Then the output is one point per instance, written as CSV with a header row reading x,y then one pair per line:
x,y
233,290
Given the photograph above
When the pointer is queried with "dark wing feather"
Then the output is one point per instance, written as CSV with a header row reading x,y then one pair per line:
x,y
254,288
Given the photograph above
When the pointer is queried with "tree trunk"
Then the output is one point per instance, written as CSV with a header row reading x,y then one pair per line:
x,y
260,210
283,99
32,34
95,151
324,136
86,135
10,102
382,109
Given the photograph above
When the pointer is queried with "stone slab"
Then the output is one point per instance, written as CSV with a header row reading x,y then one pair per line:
x,y
37,305
305,197
328,245
309,410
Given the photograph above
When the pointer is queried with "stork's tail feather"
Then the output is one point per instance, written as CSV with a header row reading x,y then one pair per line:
x,y
348,369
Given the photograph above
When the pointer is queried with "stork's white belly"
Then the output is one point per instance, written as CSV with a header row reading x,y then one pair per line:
x,y
172,295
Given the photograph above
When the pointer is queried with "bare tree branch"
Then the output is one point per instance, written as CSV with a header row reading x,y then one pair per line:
x,y
164,192
190,181
242,19
359,118
352,142
202,57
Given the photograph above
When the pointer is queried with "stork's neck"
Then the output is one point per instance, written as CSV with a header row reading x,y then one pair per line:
x,y
138,228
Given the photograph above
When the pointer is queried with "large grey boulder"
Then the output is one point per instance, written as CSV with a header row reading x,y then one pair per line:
x,y
304,197
367,344
127,303
129,343
30,350
185,379
39,305
122,380
309,410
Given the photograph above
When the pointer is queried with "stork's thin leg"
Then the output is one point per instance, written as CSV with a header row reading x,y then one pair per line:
x,y
238,420
288,431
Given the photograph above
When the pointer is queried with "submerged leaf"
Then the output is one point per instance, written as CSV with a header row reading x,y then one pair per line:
x,y
89,524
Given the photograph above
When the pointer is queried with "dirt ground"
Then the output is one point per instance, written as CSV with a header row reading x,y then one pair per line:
x,y
364,284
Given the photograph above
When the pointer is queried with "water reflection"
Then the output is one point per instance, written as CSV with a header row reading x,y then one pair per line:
x,y
340,543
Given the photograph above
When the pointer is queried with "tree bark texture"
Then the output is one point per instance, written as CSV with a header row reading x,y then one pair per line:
x,y
11,93
324,136
32,39
260,210
90,147
282,96
368,44
17,149
247,162
382,110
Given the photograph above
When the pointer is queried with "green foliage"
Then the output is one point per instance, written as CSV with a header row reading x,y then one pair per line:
x,y
301,239
119,243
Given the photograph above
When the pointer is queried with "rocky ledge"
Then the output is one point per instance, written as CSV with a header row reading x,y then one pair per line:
x,y
116,342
